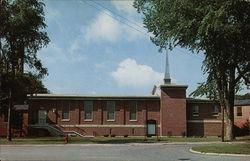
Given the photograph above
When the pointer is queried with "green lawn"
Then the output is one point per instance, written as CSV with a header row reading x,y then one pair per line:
x,y
224,148
102,140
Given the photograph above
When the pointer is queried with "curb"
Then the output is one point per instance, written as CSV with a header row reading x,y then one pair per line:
x,y
108,144
220,154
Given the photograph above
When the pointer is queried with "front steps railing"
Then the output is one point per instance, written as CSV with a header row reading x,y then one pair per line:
x,y
54,130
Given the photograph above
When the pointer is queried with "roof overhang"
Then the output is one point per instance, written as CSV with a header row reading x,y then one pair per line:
x,y
173,86
91,97
201,100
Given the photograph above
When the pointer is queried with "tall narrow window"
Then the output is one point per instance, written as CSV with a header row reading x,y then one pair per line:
x,y
88,109
132,110
215,110
65,111
239,111
195,110
111,110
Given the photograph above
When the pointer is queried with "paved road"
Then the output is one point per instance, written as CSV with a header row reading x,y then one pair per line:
x,y
117,152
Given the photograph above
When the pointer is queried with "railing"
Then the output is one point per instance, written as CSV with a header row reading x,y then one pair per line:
x,y
54,129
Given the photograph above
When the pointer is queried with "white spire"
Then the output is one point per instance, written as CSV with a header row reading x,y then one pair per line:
x,y
167,79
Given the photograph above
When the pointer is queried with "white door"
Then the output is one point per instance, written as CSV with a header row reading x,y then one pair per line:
x,y
42,116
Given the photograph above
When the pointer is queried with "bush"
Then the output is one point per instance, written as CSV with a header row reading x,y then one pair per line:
x,y
169,133
183,134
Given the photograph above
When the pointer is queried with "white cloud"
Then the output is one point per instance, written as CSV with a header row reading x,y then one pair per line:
x,y
125,6
106,27
129,73
53,54
51,13
103,27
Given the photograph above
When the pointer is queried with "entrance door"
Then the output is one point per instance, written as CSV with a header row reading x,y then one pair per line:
x,y
42,116
151,127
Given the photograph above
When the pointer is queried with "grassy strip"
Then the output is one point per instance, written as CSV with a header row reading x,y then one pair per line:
x,y
224,148
102,140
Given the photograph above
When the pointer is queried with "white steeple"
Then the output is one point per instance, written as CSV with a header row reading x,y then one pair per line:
x,y
167,79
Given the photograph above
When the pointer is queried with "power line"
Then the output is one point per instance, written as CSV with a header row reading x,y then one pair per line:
x,y
128,22
107,13
133,22
146,34
183,52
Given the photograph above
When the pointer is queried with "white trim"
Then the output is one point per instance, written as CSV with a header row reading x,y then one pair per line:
x,y
65,120
94,125
88,120
204,121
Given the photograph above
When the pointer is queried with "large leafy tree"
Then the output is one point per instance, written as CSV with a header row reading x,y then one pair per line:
x,y
219,29
21,36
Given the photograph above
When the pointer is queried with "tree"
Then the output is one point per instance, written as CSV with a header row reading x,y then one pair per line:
x,y
21,36
242,97
219,29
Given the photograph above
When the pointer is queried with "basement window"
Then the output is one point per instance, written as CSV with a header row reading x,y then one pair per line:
x,y
195,110
88,109
65,111
239,111
110,110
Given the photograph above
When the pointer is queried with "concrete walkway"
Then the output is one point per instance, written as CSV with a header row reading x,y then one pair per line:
x,y
108,152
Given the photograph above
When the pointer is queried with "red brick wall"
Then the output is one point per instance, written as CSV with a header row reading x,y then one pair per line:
x,y
205,111
205,123
241,121
173,111
3,126
99,125
16,132
204,129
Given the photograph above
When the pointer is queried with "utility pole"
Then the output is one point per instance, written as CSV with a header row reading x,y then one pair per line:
x,y
9,137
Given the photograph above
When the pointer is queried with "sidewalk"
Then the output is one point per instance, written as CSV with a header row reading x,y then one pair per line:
x,y
123,144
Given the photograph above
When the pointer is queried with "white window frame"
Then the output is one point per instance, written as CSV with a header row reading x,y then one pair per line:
x,y
136,108
88,104
111,104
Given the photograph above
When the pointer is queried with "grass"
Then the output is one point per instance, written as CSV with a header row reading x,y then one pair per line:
x,y
103,140
224,148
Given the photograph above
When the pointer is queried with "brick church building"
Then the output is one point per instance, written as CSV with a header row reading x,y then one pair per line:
x,y
168,113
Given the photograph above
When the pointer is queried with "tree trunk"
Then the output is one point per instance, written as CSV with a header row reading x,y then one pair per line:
x,y
229,129
229,116
223,125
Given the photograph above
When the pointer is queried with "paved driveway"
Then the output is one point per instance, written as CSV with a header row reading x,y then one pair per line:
x,y
117,152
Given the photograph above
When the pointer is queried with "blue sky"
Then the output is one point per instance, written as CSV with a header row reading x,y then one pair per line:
x,y
101,47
